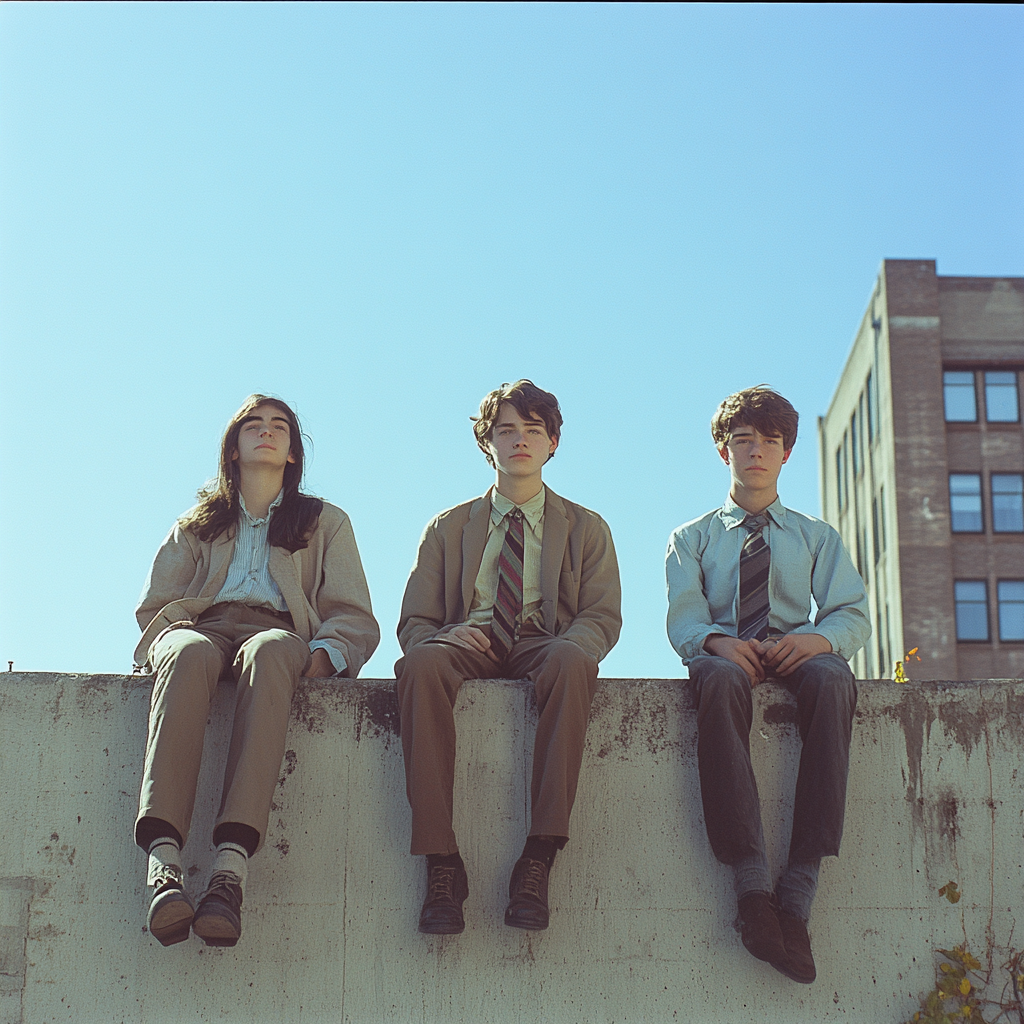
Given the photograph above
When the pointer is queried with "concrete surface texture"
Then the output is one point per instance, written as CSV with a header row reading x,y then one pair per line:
x,y
642,915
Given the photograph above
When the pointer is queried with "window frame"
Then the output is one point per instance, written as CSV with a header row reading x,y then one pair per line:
x,y
1000,602
1014,384
946,384
992,499
956,613
981,504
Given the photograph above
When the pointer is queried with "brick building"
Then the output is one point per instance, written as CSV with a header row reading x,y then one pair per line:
x,y
922,471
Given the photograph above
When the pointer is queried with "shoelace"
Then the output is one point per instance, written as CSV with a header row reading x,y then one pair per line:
x,y
442,883
533,878
222,884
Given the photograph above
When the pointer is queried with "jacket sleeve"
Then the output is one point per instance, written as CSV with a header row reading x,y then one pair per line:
x,y
174,569
598,619
423,608
342,602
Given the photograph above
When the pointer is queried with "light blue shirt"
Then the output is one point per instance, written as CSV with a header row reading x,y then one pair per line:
x,y
702,568
249,581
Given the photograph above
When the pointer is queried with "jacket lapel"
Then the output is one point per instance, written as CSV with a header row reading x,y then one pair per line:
x,y
552,553
474,540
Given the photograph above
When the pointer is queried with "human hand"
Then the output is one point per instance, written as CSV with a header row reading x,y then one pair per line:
x,y
745,653
789,652
320,665
472,638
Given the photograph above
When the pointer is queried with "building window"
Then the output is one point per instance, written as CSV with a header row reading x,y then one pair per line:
x,y
971,610
1001,405
840,496
965,503
881,513
1007,503
854,446
1011,609
874,529
958,396
872,426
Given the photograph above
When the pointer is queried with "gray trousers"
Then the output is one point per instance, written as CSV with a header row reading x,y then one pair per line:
x,y
266,660
826,697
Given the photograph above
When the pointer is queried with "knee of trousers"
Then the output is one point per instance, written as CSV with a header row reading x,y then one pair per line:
x,y
274,650
568,666
426,669
831,678
192,657
725,691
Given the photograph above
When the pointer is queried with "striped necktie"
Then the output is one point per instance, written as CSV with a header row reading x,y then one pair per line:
x,y
508,601
755,558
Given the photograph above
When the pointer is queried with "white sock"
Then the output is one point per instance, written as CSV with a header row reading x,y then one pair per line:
x,y
234,859
164,863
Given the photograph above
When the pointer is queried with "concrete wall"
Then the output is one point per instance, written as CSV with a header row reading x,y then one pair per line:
x,y
642,916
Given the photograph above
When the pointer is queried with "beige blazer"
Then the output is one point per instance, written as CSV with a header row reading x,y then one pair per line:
x,y
323,586
579,575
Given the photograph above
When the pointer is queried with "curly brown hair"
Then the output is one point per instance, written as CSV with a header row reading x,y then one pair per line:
x,y
296,517
530,401
760,407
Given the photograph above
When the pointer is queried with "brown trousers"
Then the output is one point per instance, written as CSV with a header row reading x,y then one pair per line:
x,y
429,677
266,660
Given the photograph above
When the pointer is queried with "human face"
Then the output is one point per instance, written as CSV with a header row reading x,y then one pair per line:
x,y
755,461
519,446
264,439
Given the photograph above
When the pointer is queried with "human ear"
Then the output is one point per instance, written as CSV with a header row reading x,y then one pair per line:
x,y
786,454
291,457
724,453
554,445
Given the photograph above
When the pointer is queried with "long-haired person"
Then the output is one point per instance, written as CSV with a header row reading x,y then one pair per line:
x,y
263,583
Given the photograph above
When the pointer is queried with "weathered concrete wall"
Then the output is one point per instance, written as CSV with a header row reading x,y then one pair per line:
x,y
642,915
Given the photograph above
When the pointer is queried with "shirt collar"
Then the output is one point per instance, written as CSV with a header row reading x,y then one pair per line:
x,y
273,505
732,515
533,509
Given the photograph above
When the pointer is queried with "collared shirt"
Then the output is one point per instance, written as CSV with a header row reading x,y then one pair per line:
x,y
249,581
533,538
808,561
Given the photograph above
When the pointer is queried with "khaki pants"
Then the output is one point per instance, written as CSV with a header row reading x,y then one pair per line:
x,y
266,661
429,678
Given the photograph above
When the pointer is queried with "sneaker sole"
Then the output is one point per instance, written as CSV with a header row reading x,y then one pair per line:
x,y
171,922
215,930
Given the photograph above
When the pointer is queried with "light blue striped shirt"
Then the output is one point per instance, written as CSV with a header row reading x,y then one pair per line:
x,y
249,581
808,560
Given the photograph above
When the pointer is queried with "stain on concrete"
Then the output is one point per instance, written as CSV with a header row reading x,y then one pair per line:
x,y
947,809
288,765
16,895
377,712
780,709
282,847
965,725
308,707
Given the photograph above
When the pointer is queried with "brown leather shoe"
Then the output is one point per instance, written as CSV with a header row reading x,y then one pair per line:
x,y
759,928
447,889
218,920
799,963
528,895
170,914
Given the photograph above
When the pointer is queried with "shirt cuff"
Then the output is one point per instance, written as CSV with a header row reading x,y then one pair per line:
x,y
337,658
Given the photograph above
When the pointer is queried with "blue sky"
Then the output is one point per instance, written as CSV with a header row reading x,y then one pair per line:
x,y
381,212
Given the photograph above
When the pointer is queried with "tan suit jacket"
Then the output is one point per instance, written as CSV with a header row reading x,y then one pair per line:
x,y
579,575
323,586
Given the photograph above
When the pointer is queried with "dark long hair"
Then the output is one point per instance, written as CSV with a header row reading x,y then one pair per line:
x,y
294,519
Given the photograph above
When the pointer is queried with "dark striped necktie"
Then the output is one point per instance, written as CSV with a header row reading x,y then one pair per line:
x,y
755,558
508,601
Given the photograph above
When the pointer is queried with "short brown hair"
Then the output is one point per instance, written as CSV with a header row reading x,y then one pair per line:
x,y
761,408
528,400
